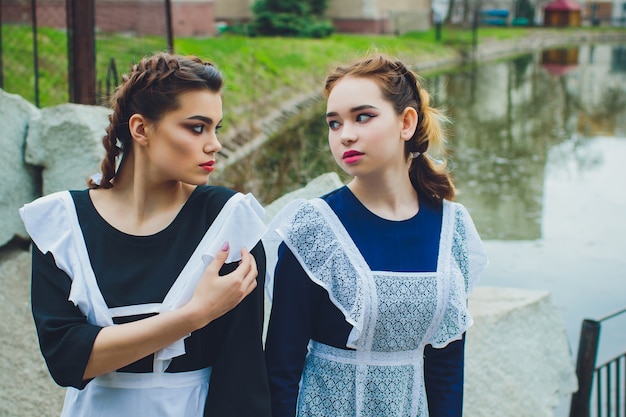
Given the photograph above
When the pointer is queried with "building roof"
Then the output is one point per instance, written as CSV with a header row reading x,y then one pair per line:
x,y
562,5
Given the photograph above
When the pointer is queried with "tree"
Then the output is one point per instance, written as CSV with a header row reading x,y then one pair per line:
x,y
295,18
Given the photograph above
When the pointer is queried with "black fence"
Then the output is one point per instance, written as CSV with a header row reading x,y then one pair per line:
x,y
601,388
37,48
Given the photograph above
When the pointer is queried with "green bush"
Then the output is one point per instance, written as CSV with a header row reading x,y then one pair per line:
x,y
290,18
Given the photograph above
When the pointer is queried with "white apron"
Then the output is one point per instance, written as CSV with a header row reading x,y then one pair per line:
x,y
394,315
52,223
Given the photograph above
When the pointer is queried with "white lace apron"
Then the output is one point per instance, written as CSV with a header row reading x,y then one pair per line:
x,y
394,315
52,223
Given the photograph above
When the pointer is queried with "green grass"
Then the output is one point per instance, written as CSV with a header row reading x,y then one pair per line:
x,y
259,72
251,66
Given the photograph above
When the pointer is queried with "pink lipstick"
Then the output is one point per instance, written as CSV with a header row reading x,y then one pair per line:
x,y
351,157
208,166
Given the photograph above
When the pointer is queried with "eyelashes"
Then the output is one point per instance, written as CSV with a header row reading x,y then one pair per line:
x,y
199,129
360,118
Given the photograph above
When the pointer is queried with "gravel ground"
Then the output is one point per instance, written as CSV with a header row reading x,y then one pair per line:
x,y
26,388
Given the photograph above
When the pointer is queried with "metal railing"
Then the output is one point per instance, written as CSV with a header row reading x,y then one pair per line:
x,y
610,377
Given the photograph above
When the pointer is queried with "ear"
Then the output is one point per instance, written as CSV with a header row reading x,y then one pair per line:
x,y
408,119
137,124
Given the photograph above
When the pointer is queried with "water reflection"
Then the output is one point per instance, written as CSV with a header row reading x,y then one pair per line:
x,y
507,116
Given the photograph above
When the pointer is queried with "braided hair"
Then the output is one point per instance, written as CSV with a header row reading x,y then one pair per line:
x,y
403,88
151,89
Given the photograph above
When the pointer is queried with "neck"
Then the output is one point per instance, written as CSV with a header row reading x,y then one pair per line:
x,y
389,198
137,205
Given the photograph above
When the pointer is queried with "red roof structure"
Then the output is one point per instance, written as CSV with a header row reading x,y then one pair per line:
x,y
562,5
562,13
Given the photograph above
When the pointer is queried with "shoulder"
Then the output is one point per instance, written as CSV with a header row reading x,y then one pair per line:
x,y
210,197
336,196
213,192
457,211
49,205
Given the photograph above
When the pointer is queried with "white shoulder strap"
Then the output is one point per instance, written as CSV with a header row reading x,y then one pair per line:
x,y
52,223
240,222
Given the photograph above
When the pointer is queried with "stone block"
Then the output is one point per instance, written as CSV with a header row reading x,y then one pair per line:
x,y
518,361
315,188
66,142
20,183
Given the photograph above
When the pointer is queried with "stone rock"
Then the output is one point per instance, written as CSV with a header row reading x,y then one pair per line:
x,y
66,141
315,188
518,361
19,182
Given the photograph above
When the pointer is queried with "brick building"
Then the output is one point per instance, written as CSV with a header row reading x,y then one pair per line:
x,y
142,17
351,16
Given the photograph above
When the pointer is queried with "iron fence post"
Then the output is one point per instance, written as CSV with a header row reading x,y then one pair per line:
x,y
81,51
585,366
168,26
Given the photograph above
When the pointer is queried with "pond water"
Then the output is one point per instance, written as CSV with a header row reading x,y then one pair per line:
x,y
539,155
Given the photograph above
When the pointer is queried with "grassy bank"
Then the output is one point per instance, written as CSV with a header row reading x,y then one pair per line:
x,y
260,73
250,65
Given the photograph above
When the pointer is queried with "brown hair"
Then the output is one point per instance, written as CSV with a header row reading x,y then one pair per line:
x,y
151,89
402,88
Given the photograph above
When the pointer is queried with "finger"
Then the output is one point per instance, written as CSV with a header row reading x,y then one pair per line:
x,y
219,259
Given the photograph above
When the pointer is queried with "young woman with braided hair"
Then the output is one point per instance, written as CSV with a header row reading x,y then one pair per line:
x,y
144,293
370,290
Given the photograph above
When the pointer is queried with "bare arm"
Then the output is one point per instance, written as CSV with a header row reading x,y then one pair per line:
x,y
120,345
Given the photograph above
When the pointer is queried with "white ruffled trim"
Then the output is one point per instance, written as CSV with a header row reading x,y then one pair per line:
x,y
464,264
52,223
316,216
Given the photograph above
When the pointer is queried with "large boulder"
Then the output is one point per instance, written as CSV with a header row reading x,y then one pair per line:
x,y
518,361
66,142
317,187
20,183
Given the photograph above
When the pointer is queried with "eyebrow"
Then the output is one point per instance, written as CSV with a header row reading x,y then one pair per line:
x,y
204,119
353,110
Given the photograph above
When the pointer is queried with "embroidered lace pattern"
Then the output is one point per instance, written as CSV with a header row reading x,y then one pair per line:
x,y
335,382
406,310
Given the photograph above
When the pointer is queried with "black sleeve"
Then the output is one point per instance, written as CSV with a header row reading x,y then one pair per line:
x,y
443,377
65,337
238,384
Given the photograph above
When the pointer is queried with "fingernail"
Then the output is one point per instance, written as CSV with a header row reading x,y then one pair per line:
x,y
225,246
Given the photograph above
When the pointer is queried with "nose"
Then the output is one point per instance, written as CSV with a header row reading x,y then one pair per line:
x,y
348,134
212,145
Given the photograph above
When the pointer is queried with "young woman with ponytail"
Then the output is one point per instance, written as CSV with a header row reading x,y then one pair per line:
x,y
144,293
370,289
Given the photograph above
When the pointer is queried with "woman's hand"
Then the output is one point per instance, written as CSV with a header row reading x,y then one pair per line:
x,y
215,294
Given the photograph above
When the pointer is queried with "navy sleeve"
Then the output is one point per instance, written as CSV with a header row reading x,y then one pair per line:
x,y
443,377
65,337
290,326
